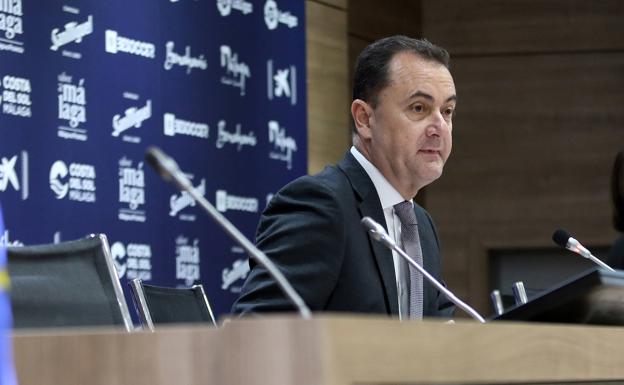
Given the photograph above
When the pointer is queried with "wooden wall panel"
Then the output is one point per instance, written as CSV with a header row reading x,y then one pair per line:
x,y
327,84
341,4
534,141
509,26
373,19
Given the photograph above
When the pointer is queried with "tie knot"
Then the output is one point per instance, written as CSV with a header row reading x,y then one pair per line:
x,y
405,212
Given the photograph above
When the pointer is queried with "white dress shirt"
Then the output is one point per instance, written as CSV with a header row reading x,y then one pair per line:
x,y
388,197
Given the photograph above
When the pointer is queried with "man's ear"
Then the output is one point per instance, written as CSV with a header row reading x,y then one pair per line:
x,y
362,114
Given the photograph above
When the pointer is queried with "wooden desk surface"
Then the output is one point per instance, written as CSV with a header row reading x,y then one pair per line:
x,y
329,349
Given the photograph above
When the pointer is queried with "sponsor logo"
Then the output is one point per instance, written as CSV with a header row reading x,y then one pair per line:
x,y
15,97
76,182
178,203
283,146
131,191
11,24
132,261
225,7
227,202
115,43
6,241
236,72
72,107
282,82
236,138
187,260
238,272
172,58
273,17
133,117
174,126
72,32
9,174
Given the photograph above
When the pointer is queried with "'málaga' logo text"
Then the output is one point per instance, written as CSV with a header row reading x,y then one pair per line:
x,y
72,107
283,145
236,71
11,23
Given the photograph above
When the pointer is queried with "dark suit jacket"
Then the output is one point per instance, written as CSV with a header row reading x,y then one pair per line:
x,y
311,230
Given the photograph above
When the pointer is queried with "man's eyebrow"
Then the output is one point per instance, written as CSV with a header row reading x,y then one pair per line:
x,y
425,95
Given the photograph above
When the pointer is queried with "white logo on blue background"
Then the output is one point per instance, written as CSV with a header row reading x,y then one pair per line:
x,y
72,32
273,16
237,71
283,145
282,82
15,97
58,182
225,7
9,176
187,260
115,43
11,24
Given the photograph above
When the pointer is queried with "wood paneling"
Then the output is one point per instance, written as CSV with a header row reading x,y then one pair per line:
x,y
534,140
373,19
327,84
477,27
342,4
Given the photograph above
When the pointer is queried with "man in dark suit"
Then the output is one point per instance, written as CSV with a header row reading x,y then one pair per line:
x,y
403,104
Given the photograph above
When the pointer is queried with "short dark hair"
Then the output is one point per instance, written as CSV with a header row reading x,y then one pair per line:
x,y
617,191
371,66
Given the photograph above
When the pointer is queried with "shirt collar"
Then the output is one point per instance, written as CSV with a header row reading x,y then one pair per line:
x,y
388,195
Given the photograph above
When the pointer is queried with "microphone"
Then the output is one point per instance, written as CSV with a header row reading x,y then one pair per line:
x,y
168,169
379,234
565,240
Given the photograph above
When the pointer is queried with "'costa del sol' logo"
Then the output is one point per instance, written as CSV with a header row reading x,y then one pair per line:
x,y
132,261
79,187
15,96
58,181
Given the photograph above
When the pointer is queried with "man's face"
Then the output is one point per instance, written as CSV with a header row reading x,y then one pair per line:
x,y
410,127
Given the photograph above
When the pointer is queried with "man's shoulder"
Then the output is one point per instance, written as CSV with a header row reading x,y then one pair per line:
x,y
331,178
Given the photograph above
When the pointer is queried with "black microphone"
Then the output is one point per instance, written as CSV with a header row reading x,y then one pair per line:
x,y
168,169
565,240
379,234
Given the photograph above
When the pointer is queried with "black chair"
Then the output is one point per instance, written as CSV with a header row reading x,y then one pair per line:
x,y
169,305
66,284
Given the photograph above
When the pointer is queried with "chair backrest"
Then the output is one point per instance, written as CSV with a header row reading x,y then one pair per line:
x,y
66,284
167,305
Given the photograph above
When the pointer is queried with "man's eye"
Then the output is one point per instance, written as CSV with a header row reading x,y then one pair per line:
x,y
418,108
449,112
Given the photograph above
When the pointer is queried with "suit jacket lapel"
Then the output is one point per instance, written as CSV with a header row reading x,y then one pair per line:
x,y
370,206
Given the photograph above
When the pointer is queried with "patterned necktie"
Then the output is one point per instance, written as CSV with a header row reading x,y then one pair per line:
x,y
411,245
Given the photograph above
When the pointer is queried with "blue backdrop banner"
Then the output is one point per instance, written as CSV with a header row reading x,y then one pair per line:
x,y
87,85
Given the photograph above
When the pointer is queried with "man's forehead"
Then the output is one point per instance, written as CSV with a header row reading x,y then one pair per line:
x,y
416,76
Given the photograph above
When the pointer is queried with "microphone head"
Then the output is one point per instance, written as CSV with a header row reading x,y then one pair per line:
x,y
561,237
375,229
160,162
